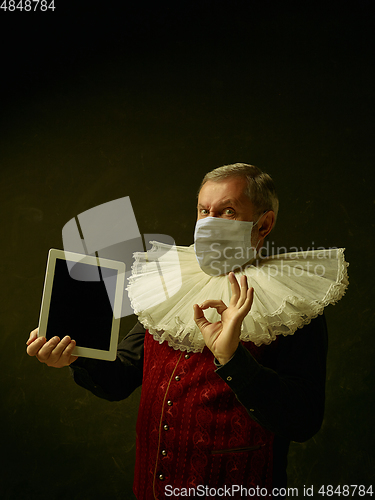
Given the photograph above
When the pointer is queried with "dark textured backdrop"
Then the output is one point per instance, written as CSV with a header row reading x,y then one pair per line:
x,y
100,101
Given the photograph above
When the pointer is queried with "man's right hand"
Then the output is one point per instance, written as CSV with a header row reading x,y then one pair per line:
x,y
55,352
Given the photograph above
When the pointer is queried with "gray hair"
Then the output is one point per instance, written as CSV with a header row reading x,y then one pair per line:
x,y
260,188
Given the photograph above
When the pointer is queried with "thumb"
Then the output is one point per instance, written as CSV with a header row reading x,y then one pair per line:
x,y
199,317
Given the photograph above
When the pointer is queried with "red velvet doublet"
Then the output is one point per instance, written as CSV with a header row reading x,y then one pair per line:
x,y
191,429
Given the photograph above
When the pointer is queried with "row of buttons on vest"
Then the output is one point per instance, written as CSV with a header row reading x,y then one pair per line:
x,y
164,453
177,377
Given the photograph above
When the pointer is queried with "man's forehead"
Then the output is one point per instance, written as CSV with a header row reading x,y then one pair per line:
x,y
225,201
231,191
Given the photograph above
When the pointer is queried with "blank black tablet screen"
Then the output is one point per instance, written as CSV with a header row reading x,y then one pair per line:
x,y
81,308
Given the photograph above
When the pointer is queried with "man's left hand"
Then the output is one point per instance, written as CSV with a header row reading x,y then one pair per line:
x,y
223,337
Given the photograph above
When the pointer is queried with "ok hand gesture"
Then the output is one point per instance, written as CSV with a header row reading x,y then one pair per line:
x,y
223,337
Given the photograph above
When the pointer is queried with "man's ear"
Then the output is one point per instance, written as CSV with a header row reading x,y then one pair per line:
x,y
266,224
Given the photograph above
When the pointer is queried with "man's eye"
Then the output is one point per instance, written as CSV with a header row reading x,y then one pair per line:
x,y
229,211
204,211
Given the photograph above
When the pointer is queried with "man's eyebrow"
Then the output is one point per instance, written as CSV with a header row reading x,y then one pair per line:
x,y
224,202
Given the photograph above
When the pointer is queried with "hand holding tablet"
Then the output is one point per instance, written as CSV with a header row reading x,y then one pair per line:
x,y
82,300
54,352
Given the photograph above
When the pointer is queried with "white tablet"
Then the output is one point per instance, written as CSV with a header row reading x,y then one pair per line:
x,y
82,298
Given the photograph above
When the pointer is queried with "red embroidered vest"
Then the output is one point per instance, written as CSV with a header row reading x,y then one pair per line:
x,y
192,432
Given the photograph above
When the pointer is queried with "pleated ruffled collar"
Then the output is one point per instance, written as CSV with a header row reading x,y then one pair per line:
x,y
289,291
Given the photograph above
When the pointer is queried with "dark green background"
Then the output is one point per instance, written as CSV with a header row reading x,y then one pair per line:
x,y
100,101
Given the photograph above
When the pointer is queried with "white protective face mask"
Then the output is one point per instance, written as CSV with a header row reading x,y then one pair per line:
x,y
222,245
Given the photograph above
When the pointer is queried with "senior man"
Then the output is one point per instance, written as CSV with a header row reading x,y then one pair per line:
x,y
221,417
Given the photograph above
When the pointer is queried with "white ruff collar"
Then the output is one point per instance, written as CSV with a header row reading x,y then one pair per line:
x,y
289,291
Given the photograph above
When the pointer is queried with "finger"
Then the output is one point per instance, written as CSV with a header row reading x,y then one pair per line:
x,y
216,304
246,306
33,336
235,289
68,352
61,346
243,292
66,357
199,317
35,346
45,352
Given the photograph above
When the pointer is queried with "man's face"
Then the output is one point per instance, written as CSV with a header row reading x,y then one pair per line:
x,y
225,199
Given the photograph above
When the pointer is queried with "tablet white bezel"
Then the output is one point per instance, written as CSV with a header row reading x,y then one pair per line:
x,y
87,352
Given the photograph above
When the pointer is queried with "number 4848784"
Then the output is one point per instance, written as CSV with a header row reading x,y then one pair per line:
x,y
28,5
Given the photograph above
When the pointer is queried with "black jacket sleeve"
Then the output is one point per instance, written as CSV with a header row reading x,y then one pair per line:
x,y
114,380
287,393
